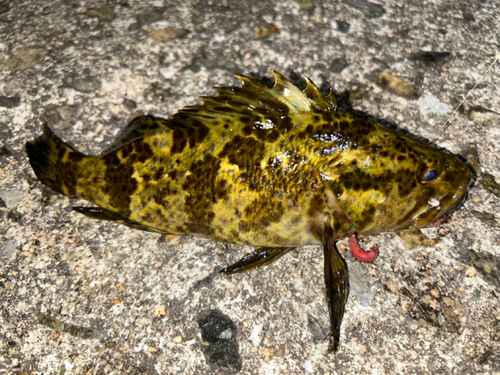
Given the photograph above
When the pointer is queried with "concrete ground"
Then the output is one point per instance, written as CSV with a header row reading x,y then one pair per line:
x,y
84,297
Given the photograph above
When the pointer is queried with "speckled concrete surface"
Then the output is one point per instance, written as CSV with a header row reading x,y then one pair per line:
x,y
79,296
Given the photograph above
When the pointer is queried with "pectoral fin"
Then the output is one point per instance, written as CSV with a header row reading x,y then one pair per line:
x,y
337,288
259,257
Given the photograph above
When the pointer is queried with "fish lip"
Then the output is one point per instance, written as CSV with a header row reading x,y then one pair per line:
x,y
459,204
442,220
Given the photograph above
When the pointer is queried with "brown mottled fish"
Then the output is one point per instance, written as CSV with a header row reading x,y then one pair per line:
x,y
275,168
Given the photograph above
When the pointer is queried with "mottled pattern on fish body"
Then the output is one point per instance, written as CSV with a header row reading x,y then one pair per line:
x,y
265,167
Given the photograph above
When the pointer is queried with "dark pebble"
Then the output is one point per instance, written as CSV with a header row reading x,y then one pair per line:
x,y
10,101
338,65
130,104
468,16
213,323
429,57
220,347
470,86
86,84
343,27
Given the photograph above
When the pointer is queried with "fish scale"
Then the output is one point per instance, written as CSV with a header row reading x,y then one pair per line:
x,y
271,167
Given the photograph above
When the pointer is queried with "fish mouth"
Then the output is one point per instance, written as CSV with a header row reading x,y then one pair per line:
x,y
432,217
435,215
443,219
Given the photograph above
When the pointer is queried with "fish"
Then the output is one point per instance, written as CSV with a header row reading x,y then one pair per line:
x,y
273,167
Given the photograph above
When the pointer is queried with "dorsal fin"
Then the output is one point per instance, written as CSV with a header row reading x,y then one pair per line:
x,y
311,98
257,104
135,129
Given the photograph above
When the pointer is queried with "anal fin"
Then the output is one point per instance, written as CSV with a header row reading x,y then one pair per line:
x,y
103,214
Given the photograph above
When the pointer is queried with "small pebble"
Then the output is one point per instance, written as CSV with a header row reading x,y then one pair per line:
x,y
471,271
266,30
169,33
24,58
369,9
104,13
268,354
307,5
161,310
396,85
343,27
338,64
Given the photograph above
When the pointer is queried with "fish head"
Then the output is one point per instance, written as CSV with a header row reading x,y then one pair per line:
x,y
393,181
443,184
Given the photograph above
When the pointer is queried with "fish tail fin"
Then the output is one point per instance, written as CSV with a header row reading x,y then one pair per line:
x,y
54,162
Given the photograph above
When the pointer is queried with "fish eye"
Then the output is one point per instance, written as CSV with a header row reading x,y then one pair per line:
x,y
428,175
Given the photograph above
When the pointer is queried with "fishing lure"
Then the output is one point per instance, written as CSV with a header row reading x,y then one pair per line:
x,y
271,167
